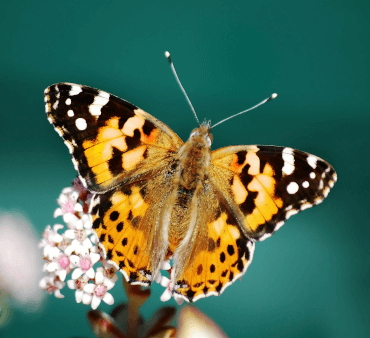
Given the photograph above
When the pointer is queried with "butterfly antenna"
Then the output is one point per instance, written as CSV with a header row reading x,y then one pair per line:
x,y
168,56
273,96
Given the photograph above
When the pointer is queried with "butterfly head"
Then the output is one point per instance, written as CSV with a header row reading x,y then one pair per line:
x,y
202,136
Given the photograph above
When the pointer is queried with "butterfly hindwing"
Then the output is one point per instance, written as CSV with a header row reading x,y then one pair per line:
x,y
126,221
265,185
214,254
111,141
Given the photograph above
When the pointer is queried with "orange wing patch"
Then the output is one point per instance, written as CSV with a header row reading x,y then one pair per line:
x,y
225,258
117,218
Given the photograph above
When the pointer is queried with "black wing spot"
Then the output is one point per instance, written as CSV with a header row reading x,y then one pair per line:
x,y
115,164
119,226
148,127
241,156
96,223
124,241
136,250
110,239
224,273
190,293
231,277
218,243
199,269
230,250
119,253
114,216
102,238
133,141
212,268
122,264
219,287
109,254
222,257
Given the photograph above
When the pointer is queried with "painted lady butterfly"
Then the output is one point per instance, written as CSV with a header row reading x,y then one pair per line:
x,y
158,197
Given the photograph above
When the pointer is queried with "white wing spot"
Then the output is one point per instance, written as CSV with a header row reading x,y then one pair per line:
x,y
312,175
81,123
75,90
305,184
312,161
321,184
291,213
47,108
68,101
288,158
99,101
55,105
292,188
70,113
306,205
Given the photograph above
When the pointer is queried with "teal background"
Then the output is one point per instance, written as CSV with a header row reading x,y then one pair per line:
x,y
311,279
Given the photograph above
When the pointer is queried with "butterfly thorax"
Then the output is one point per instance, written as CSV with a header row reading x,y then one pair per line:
x,y
194,157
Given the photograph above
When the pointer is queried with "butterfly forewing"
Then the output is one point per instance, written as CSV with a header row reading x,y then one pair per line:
x,y
111,140
265,185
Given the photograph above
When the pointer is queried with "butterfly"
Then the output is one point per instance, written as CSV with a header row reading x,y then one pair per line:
x,y
156,197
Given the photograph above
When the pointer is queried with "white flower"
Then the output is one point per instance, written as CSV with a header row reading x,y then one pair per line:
x,y
166,282
98,291
78,285
60,266
84,265
81,244
52,284
50,241
68,201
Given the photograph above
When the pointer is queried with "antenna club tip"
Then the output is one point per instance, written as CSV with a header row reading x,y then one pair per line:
x,y
273,96
167,54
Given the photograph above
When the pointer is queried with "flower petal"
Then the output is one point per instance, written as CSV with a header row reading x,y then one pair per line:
x,y
87,243
87,298
109,283
71,284
52,266
108,298
62,275
58,212
90,273
79,295
75,259
89,288
95,302
58,294
167,294
94,258
70,234
99,277
78,207
77,273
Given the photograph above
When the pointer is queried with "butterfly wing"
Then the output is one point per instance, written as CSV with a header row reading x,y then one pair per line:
x,y
214,253
111,141
264,185
127,221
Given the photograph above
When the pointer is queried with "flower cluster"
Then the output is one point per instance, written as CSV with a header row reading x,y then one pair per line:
x,y
75,251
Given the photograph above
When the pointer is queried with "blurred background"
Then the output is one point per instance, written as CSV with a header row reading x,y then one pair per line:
x,y
311,278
